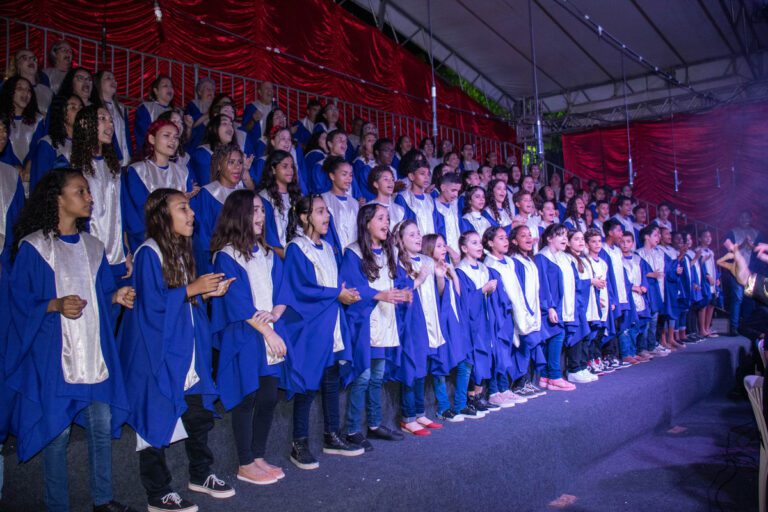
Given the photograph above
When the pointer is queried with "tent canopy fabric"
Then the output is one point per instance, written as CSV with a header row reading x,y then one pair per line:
x,y
488,41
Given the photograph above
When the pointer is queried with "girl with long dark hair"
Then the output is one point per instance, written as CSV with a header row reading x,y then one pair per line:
x,y
280,190
55,149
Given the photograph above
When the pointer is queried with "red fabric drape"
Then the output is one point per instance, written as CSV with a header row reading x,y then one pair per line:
x,y
732,136
317,30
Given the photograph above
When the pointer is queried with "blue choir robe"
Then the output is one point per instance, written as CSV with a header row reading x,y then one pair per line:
x,y
696,279
526,310
310,159
502,299
260,147
474,221
144,116
49,361
458,346
314,320
361,168
207,205
22,140
504,220
653,261
142,179
200,164
343,226
368,342
243,355
616,276
598,316
258,126
487,354
636,277
257,169
195,111
551,294
415,340
303,133
321,183
121,138
579,328
275,219
448,223
421,208
675,288
45,157
165,350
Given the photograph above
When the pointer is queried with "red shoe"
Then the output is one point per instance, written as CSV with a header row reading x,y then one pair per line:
x,y
431,425
560,385
419,432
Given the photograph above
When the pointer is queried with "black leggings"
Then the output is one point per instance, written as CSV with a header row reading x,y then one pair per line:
x,y
252,419
577,356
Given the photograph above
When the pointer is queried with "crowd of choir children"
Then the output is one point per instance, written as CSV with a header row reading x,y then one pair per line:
x,y
310,260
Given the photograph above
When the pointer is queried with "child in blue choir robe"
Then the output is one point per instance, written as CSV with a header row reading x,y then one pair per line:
x,y
634,336
620,312
417,203
160,99
316,329
652,265
246,322
526,310
557,296
302,129
27,126
94,154
220,131
692,283
55,149
227,167
176,116
198,109
422,329
457,350
599,303
496,243
342,206
279,188
329,119
61,358
472,218
156,171
382,181
362,165
314,151
578,331
448,211
369,266
276,120
337,146
710,289
498,210
478,284
105,88
165,350
281,140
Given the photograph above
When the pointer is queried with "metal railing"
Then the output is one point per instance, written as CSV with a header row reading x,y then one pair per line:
x,y
135,70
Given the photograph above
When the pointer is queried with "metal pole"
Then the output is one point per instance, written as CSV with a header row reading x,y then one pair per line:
x,y
539,137
626,116
432,65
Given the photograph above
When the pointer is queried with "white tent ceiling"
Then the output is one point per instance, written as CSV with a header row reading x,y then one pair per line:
x,y
718,46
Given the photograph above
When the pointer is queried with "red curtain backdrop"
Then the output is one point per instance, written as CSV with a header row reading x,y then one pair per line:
x,y
728,137
317,30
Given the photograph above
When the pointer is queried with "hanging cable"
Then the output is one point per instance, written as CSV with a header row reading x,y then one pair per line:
x,y
432,66
539,137
626,116
674,149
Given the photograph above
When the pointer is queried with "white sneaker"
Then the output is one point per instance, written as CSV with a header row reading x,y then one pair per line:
x,y
578,378
514,397
660,351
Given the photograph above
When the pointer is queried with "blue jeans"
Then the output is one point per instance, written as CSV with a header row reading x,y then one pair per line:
x,y
463,373
441,393
735,298
366,391
499,383
553,347
97,419
652,340
628,341
412,400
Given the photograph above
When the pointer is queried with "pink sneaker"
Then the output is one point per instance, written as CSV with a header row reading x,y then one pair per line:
x,y
543,383
501,401
561,385
514,397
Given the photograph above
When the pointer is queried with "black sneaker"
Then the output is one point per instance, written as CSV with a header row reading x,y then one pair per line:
x,y
481,403
535,390
301,456
387,434
171,501
360,440
522,391
213,487
334,444
449,415
470,413
113,506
